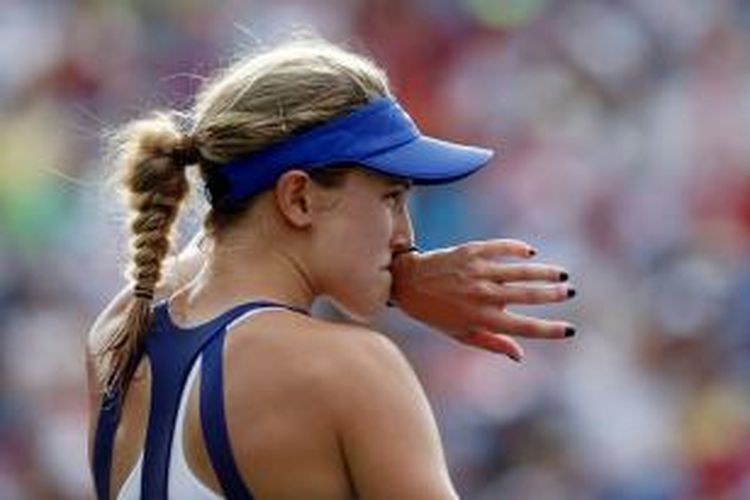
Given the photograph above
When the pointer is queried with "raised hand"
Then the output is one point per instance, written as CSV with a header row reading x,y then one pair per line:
x,y
463,291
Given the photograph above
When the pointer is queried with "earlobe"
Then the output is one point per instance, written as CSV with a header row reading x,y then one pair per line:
x,y
293,196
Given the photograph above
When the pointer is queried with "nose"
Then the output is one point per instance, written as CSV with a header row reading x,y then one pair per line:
x,y
403,232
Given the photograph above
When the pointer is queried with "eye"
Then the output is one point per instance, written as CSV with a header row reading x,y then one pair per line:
x,y
391,198
396,199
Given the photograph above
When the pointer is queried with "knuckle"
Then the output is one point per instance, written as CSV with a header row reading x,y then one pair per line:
x,y
462,253
508,272
474,268
540,295
487,316
526,273
479,290
520,294
470,250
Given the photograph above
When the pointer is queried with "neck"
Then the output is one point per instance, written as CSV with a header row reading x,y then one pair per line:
x,y
238,272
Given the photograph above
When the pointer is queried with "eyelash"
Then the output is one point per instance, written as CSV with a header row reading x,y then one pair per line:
x,y
396,198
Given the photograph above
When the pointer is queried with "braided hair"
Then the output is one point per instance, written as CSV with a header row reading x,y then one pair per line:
x,y
154,181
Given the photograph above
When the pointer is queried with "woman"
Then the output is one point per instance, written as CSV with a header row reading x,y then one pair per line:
x,y
214,381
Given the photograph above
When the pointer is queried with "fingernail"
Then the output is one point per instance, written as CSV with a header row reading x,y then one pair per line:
x,y
564,276
532,252
571,293
514,357
570,331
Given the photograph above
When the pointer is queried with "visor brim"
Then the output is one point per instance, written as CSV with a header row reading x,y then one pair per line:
x,y
427,160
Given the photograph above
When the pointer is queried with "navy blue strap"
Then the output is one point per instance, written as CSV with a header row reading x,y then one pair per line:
x,y
213,416
167,380
213,422
171,352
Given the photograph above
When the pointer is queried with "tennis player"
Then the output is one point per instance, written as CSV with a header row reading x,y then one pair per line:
x,y
207,377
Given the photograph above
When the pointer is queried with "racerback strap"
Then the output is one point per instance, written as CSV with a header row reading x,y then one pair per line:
x,y
213,421
171,352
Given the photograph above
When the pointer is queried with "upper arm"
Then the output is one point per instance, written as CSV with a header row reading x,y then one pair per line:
x,y
387,430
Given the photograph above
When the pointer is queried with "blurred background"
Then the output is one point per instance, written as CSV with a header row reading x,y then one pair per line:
x,y
624,126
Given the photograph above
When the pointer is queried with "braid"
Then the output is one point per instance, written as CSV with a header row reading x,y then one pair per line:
x,y
153,154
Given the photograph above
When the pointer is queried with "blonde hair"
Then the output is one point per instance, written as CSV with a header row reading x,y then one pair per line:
x,y
260,100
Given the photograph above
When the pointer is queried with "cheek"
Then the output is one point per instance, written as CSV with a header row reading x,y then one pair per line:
x,y
361,264
353,249
367,231
357,280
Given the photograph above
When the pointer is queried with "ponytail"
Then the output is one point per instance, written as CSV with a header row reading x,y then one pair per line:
x,y
153,155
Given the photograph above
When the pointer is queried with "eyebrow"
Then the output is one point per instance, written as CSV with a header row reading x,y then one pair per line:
x,y
401,182
391,180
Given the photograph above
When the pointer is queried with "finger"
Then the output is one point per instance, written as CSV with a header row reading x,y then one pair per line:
x,y
526,294
521,325
504,273
495,342
493,249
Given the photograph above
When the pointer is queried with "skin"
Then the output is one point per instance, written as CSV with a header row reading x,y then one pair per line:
x,y
336,409
464,292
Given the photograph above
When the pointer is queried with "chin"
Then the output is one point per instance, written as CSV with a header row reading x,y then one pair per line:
x,y
362,297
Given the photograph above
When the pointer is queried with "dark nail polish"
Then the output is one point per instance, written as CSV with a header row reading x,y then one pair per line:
x,y
564,276
514,358
532,252
570,331
571,293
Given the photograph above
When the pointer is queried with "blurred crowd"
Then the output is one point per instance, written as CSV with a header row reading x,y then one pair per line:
x,y
623,126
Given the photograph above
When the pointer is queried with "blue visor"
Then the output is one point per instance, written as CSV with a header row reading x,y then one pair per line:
x,y
377,136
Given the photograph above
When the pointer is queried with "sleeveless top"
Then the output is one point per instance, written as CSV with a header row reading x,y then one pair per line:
x,y
176,356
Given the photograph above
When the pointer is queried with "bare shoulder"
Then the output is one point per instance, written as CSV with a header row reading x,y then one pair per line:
x,y
380,414
360,356
331,367
366,368
344,368
351,386
351,344
323,353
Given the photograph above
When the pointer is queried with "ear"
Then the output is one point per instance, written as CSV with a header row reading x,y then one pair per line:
x,y
293,193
